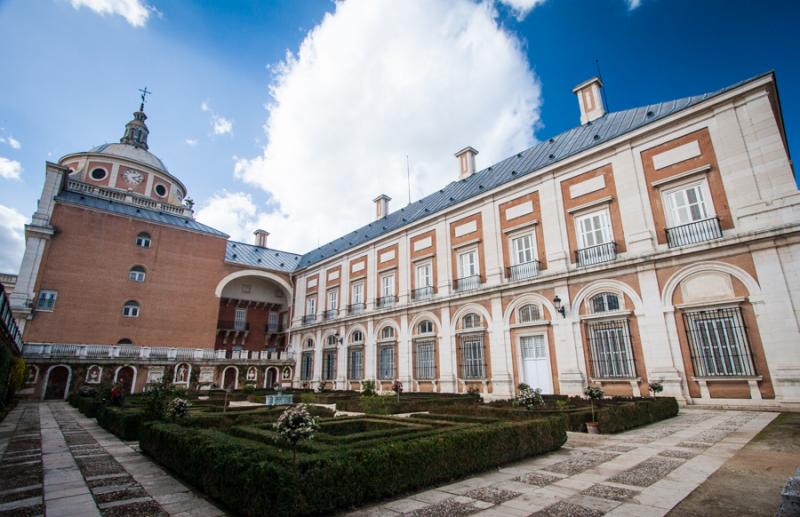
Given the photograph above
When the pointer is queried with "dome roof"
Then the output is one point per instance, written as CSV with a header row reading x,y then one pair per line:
x,y
132,153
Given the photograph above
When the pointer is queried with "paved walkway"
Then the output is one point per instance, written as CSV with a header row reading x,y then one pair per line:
x,y
640,473
57,462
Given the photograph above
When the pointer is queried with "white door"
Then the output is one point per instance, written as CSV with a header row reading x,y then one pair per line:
x,y
536,363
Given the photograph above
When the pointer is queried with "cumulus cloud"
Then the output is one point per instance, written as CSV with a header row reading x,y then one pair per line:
x,y
521,8
11,141
10,169
366,89
191,141
135,12
234,213
12,239
219,124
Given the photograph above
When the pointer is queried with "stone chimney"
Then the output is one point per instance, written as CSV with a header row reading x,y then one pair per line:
x,y
261,238
381,206
466,162
590,99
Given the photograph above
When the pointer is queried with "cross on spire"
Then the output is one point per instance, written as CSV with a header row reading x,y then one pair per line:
x,y
145,92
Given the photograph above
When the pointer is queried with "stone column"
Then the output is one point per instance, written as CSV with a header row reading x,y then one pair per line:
x,y
502,380
447,378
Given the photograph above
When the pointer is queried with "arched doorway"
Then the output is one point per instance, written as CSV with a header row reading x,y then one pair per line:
x,y
126,376
58,378
229,381
272,375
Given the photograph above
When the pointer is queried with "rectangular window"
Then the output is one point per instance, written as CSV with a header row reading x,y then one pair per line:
x,y
307,366
719,345
426,363
333,299
468,264
386,362
355,364
522,249
311,305
358,293
472,364
47,300
387,285
329,366
273,319
533,347
687,205
593,229
240,319
424,275
610,347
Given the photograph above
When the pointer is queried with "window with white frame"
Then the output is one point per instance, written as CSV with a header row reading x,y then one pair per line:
x,y
130,309
358,293
240,319
357,337
528,313
471,321
610,348
333,299
719,344
468,263
688,204
307,366
136,273
387,333
425,327
309,343
424,275
311,305
329,365
46,300
143,240
533,347
604,302
386,362
355,363
331,340
593,229
425,359
522,249
387,285
472,360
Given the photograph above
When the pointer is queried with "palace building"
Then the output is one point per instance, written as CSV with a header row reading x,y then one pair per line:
x,y
655,244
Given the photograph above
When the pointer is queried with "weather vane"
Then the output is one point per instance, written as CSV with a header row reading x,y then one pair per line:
x,y
145,92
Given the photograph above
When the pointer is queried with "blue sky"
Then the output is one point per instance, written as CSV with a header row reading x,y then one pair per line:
x,y
373,83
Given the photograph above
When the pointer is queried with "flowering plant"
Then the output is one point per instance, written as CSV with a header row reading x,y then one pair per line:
x,y
178,408
656,388
528,398
117,393
295,425
397,387
594,393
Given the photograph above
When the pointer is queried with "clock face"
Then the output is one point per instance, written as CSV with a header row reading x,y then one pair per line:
x,y
133,177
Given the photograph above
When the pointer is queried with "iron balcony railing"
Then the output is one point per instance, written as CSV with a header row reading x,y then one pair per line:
x,y
524,270
423,293
596,254
239,326
692,233
385,301
274,327
468,283
309,318
331,314
355,308
7,320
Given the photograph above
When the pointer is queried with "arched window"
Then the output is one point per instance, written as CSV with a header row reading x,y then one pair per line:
x,y
471,321
143,240
425,327
124,341
529,312
309,343
130,309
357,337
387,332
331,341
136,274
604,302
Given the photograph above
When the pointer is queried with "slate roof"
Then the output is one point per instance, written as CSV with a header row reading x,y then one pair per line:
x,y
548,152
251,255
154,216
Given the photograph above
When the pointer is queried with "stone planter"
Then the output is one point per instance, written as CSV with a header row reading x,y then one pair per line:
x,y
593,427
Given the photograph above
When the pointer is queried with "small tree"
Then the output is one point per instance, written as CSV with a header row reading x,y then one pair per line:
x,y
656,387
397,387
528,398
296,425
368,389
594,393
178,408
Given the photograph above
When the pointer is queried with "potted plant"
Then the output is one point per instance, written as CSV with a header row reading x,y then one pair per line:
x,y
593,393
656,388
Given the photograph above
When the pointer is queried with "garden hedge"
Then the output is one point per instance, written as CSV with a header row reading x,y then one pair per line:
x,y
123,422
254,478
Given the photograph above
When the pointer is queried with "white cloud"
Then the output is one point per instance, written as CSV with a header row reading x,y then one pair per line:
x,y
12,239
135,12
11,141
191,141
633,4
10,169
521,8
234,213
365,89
219,124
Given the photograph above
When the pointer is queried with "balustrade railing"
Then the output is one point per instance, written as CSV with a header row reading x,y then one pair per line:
x,y
692,233
143,353
596,254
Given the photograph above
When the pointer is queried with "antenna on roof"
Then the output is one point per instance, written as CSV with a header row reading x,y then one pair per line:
x,y
408,176
600,76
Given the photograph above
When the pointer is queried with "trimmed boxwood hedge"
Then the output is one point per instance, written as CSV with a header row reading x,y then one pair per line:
x,y
123,422
389,405
253,478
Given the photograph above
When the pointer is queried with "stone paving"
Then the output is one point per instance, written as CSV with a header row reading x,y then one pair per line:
x,y
639,473
56,462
